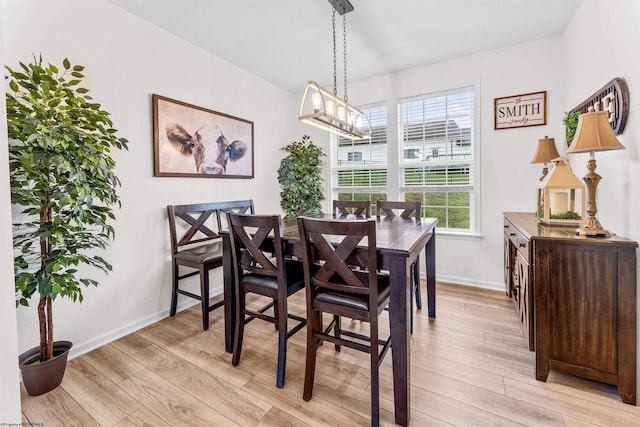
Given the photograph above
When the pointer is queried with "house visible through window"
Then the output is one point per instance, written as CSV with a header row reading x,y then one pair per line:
x,y
354,156
436,161
440,126
359,168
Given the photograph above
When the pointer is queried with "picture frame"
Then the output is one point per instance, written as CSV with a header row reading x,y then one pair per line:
x,y
517,111
192,141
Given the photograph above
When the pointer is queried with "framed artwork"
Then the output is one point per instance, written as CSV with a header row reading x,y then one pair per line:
x,y
529,109
192,141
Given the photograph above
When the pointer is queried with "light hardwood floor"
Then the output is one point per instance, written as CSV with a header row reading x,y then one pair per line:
x,y
469,367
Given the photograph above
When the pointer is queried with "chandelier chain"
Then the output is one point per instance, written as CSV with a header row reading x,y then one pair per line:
x,y
335,70
344,40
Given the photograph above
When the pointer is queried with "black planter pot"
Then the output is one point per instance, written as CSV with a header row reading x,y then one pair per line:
x,y
43,377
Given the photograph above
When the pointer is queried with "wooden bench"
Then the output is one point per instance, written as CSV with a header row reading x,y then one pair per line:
x,y
196,245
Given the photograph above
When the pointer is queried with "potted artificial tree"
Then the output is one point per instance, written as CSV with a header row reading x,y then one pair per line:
x,y
63,188
300,176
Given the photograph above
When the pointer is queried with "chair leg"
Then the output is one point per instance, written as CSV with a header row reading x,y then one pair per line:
x,y
313,322
411,321
239,331
276,312
337,330
204,296
375,374
281,322
416,282
174,291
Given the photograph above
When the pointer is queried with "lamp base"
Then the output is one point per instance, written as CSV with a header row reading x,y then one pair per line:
x,y
593,232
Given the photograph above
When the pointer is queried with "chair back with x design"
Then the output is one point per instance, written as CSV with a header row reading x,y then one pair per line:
x,y
388,209
352,207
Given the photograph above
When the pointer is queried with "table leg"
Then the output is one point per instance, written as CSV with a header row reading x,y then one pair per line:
x,y
229,294
399,317
430,252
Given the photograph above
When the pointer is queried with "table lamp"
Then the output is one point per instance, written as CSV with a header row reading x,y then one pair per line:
x,y
593,134
545,152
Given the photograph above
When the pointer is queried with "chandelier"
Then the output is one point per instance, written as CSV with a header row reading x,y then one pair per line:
x,y
326,110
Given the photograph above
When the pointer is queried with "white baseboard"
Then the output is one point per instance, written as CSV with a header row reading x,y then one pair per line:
x,y
475,283
79,349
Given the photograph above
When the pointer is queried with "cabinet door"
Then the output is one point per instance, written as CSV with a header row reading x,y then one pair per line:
x,y
507,266
515,282
579,306
525,305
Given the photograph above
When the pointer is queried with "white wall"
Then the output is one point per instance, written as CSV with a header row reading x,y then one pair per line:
x,y
9,386
507,180
602,43
126,61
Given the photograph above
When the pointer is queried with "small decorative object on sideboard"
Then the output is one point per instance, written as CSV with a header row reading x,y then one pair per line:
x,y
561,198
594,133
545,153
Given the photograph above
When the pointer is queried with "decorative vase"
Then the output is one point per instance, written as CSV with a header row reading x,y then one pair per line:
x,y
42,377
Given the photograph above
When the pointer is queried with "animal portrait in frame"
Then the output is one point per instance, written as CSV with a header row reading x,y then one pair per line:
x,y
192,141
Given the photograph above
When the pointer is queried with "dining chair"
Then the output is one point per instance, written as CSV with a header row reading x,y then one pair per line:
x,y
388,210
352,207
343,279
196,245
261,268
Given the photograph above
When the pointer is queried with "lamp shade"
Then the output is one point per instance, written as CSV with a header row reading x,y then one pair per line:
x,y
546,151
594,133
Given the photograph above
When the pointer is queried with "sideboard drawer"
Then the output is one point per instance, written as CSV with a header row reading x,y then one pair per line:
x,y
523,246
510,231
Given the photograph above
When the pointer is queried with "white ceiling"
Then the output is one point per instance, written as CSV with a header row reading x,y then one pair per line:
x,y
289,42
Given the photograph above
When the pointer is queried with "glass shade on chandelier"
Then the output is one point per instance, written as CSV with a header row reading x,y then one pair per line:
x,y
594,133
323,109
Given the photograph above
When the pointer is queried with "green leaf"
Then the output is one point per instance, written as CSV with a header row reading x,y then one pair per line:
x,y
66,64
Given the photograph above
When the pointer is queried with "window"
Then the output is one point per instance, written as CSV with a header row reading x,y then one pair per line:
x,y
440,127
433,156
359,168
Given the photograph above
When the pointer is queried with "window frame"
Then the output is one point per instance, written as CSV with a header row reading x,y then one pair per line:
x,y
446,163
395,190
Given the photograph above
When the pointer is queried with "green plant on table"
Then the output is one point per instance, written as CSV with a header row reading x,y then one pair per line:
x,y
300,178
62,182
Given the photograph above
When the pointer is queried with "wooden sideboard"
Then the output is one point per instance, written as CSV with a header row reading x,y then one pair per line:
x,y
576,300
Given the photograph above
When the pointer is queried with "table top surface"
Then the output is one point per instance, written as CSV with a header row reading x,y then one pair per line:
x,y
527,223
392,235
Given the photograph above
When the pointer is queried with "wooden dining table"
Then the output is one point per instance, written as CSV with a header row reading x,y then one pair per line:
x,y
399,243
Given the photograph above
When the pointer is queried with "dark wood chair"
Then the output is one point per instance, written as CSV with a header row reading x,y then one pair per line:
x,y
196,245
261,268
343,280
352,207
389,210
